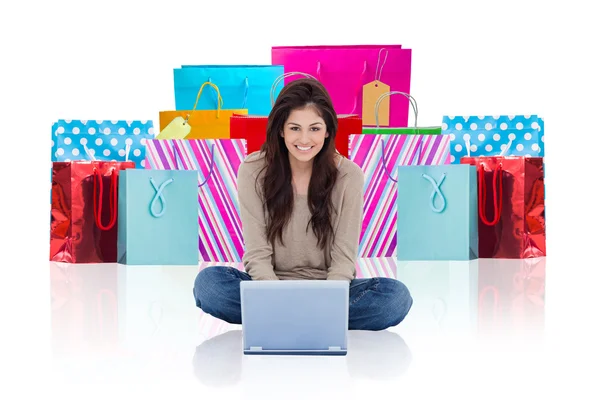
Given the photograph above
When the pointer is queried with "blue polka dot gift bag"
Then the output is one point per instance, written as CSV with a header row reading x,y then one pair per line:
x,y
508,135
75,140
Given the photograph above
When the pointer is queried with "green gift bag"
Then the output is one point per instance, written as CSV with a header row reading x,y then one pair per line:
x,y
413,130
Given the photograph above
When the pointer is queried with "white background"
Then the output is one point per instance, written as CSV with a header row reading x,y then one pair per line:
x,y
114,60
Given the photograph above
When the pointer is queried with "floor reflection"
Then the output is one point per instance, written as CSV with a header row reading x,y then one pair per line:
x,y
371,355
148,313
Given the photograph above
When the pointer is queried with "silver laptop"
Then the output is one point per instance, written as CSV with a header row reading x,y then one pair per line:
x,y
299,317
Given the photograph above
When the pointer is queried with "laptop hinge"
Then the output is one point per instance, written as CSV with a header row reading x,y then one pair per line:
x,y
335,348
255,348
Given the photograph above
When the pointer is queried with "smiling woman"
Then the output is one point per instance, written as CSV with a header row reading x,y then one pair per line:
x,y
301,205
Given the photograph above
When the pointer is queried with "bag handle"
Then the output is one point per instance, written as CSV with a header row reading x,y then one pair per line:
x,y
99,187
176,153
280,78
384,161
497,193
410,98
93,158
436,190
360,81
159,196
502,153
219,99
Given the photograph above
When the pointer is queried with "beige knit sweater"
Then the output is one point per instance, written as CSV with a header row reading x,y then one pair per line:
x,y
300,257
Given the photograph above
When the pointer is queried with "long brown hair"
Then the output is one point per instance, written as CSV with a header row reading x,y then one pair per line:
x,y
277,190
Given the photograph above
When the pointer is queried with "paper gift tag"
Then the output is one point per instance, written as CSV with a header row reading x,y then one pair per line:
x,y
371,92
177,129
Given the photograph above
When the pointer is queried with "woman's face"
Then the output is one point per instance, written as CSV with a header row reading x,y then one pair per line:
x,y
304,133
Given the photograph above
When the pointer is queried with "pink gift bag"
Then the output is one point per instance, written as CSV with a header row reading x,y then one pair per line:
x,y
378,157
345,70
217,161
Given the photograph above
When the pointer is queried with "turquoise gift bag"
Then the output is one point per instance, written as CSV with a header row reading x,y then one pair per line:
x,y
158,217
437,213
241,86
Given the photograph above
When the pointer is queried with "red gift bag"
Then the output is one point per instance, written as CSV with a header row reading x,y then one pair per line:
x,y
254,129
511,206
83,223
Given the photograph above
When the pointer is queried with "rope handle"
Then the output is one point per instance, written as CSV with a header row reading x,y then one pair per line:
x,y
99,189
497,193
212,165
410,98
436,190
159,196
219,99
280,78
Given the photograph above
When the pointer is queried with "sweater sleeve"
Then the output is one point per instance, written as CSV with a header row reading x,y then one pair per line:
x,y
258,252
344,251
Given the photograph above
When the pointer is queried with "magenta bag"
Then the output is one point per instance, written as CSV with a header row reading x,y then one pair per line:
x,y
344,70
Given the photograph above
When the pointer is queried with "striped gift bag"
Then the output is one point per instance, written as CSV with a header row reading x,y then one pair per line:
x,y
217,161
378,156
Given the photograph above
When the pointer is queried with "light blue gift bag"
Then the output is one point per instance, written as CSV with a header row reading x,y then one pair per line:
x,y
437,213
515,135
158,217
104,140
241,86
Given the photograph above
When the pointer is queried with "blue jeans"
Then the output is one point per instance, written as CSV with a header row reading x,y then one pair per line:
x,y
375,303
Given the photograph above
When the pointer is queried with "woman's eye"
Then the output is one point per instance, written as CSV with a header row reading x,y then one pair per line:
x,y
315,129
295,128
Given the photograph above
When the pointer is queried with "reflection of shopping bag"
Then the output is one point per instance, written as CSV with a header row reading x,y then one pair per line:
x,y
242,86
84,308
512,295
83,224
445,294
156,309
376,267
511,206
378,156
348,71
217,163
437,212
158,217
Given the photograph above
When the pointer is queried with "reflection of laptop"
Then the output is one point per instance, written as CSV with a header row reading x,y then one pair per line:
x,y
304,317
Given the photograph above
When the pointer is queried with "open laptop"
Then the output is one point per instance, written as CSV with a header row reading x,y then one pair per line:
x,y
298,317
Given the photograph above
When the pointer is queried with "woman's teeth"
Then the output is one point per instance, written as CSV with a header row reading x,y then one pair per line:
x,y
304,148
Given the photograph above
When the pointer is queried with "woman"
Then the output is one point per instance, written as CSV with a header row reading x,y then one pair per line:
x,y
301,206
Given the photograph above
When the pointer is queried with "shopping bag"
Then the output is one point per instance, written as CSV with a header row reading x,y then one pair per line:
x,y
84,213
217,162
437,212
105,140
254,129
516,135
198,124
511,206
378,156
158,217
242,86
351,72
411,130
